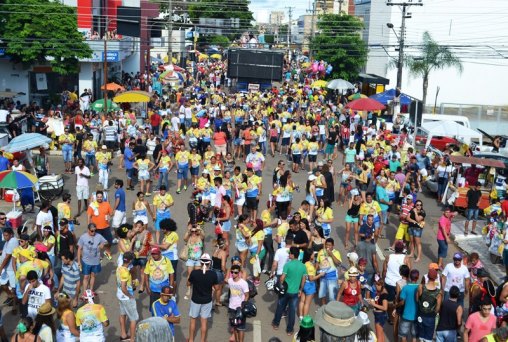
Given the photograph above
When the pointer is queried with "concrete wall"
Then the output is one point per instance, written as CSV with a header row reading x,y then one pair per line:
x,y
14,78
85,77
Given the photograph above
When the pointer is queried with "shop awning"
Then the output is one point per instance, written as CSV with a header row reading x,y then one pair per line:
x,y
133,96
373,78
477,161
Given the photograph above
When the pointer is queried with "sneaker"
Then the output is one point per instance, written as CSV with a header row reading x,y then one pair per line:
x,y
178,191
107,255
185,188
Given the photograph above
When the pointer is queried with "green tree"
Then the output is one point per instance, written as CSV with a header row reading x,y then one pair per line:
x,y
220,9
432,57
37,31
339,43
221,41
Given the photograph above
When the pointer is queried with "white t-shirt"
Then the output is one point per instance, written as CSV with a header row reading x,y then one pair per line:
x,y
175,122
281,256
44,219
150,145
82,181
36,298
188,113
8,249
455,276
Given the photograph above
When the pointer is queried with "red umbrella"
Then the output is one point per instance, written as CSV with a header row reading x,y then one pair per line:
x,y
367,104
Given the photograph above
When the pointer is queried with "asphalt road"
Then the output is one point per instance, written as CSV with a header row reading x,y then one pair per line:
x,y
259,328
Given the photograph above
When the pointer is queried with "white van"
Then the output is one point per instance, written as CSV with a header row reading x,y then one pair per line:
x,y
460,119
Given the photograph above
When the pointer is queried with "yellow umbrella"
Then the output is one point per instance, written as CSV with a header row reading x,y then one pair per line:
x,y
216,56
357,96
203,57
319,84
174,60
133,96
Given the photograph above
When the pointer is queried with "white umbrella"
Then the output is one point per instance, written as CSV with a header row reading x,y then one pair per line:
x,y
26,141
340,84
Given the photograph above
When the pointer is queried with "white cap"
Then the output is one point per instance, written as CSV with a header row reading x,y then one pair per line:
x,y
104,147
312,178
207,125
216,168
206,171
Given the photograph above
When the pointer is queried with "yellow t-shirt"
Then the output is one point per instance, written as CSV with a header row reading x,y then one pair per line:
x,y
195,159
37,265
325,215
161,202
371,208
266,216
282,230
182,157
66,139
90,318
172,240
17,250
123,275
158,273
89,146
322,255
164,162
311,270
103,157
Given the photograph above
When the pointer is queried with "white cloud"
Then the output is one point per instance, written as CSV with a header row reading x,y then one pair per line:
x,y
262,8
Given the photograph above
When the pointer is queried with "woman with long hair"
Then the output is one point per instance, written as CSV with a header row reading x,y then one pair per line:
x,y
317,239
310,286
282,193
274,137
240,189
352,217
23,333
310,190
219,259
125,244
195,243
363,180
44,326
169,244
67,330
379,303
346,176
141,209
324,217
243,233
350,291
256,248
416,221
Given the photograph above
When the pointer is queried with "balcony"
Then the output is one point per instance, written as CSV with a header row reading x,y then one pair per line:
x,y
118,49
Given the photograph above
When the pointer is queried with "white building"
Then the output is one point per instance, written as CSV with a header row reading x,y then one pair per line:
x,y
475,31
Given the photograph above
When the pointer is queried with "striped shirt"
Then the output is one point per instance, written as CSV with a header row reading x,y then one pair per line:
x,y
71,276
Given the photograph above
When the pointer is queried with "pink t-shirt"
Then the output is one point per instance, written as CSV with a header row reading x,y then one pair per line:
x,y
238,290
445,223
477,328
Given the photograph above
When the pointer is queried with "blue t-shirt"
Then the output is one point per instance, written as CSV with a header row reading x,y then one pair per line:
x,y
4,163
120,193
381,195
408,294
367,231
128,158
161,310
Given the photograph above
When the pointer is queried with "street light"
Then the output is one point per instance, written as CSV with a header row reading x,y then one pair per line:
x,y
400,60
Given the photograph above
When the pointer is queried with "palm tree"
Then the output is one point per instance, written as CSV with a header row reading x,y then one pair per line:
x,y
433,57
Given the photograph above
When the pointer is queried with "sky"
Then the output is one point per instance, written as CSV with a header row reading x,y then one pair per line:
x,y
262,8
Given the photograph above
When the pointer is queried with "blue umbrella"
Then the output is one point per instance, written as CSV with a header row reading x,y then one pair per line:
x,y
201,113
389,94
26,141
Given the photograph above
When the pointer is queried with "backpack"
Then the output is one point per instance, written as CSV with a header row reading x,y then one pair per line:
x,y
253,291
428,301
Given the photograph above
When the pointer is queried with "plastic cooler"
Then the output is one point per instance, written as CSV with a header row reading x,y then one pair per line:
x,y
15,219
9,196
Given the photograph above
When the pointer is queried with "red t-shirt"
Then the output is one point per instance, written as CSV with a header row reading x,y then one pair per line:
x,y
155,120
504,207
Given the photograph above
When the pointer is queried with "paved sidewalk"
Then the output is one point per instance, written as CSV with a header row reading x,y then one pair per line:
x,y
475,243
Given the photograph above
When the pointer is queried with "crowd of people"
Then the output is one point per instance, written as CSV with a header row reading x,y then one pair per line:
x,y
218,144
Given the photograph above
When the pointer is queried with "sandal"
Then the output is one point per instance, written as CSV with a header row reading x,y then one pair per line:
x,y
126,338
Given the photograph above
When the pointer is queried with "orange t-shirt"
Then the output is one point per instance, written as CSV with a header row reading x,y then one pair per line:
x,y
219,138
104,211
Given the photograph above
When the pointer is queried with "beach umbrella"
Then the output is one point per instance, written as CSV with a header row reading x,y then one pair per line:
x,y
216,56
113,87
365,104
357,96
11,179
339,84
319,84
99,105
26,141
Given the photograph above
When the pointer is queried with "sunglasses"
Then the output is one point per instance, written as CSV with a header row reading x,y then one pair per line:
x,y
3,218
235,272
193,231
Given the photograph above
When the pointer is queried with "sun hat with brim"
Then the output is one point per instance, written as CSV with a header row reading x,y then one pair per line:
x,y
353,272
46,310
307,322
338,319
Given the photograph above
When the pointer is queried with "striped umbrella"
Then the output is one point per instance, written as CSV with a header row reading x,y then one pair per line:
x,y
26,141
10,179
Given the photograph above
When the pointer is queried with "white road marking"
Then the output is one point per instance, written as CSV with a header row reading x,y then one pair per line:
x,y
380,254
256,331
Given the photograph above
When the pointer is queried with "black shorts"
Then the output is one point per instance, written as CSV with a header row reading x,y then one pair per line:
x,y
285,141
240,326
273,139
312,158
251,203
297,158
106,233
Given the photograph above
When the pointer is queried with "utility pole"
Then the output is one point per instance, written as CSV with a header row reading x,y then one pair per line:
x,y
105,66
404,5
312,23
340,6
170,31
290,16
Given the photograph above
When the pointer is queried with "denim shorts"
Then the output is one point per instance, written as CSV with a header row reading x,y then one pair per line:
x,y
472,214
67,152
89,269
226,226
130,173
407,328
192,263
328,288
380,318
194,171
182,172
442,250
416,232
141,262
200,310
425,327
309,288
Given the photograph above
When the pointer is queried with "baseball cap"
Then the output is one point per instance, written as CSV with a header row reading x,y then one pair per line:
x,y
362,261
433,266
155,250
457,256
353,257
409,197
63,221
312,178
104,147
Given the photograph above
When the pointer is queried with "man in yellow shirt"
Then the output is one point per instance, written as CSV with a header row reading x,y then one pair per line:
x,y
161,202
182,158
67,142
103,158
159,272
